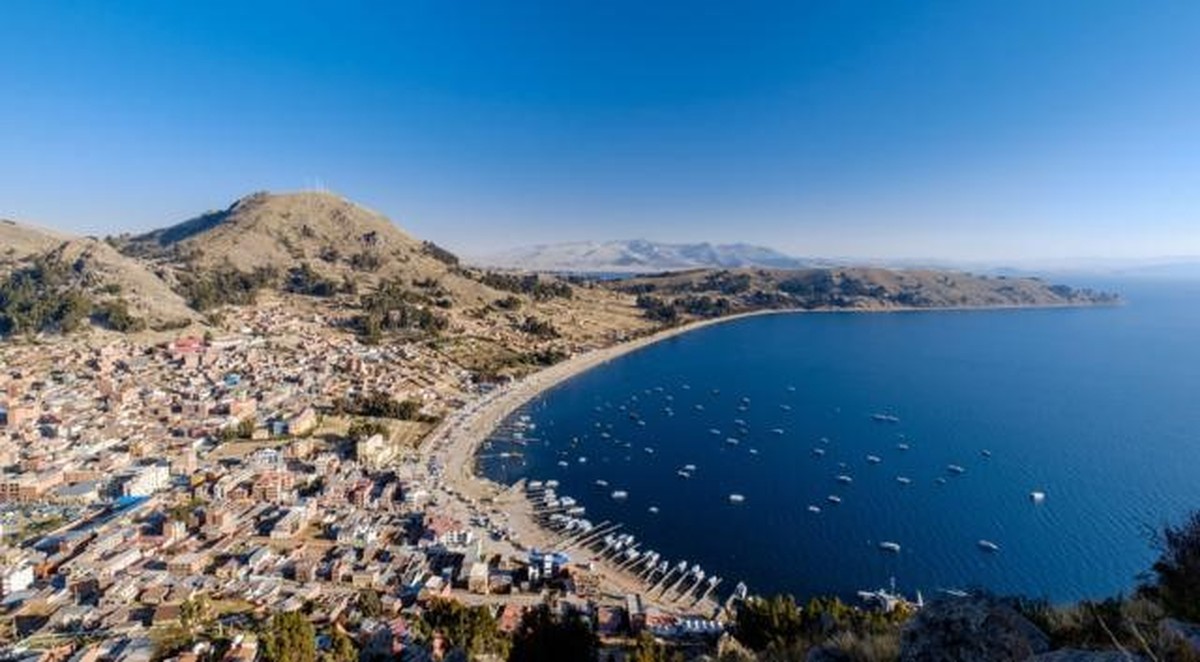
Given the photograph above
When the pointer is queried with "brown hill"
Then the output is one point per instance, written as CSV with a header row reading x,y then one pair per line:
x,y
331,237
19,241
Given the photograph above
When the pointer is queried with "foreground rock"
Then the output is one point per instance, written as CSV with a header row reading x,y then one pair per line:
x,y
975,628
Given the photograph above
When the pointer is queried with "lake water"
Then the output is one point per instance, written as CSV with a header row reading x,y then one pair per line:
x,y
1097,407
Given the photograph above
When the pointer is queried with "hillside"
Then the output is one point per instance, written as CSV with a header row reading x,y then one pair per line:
x,y
637,256
670,297
19,241
54,282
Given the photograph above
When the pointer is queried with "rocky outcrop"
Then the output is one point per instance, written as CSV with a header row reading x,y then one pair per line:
x,y
976,628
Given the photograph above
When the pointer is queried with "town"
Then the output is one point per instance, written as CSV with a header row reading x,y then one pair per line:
x,y
273,468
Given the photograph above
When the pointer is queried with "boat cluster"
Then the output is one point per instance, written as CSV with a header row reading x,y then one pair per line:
x,y
677,582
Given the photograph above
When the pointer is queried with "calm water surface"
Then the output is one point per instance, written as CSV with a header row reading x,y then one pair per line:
x,y
1099,408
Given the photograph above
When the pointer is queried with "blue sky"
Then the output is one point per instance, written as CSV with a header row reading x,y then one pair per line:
x,y
974,130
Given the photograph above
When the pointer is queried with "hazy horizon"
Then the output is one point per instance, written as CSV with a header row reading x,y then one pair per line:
x,y
929,131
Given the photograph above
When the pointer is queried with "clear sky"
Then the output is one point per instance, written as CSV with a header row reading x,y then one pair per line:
x,y
905,128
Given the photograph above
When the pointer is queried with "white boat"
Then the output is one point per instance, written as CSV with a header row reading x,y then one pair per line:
x,y
955,469
732,441
620,494
814,509
600,482
903,480
902,447
988,546
714,431
683,474
1037,497
833,498
985,452
889,546
843,478
653,510
736,498
818,451
689,467
563,463
776,430
874,459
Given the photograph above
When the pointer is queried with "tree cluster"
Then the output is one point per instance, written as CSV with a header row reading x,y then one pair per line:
x,y
529,284
394,307
225,285
45,296
378,405
472,629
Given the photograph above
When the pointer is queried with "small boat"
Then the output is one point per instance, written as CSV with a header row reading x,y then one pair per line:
x,y
833,498
874,459
732,441
776,430
885,418
843,478
792,389
904,480
785,407
563,463
714,431
739,422
940,481
985,452
754,451
649,451
1037,497
699,407
683,474
955,469
988,546
600,482
552,484
889,546
818,451
689,467
582,459
814,509
620,494
653,510
736,498
902,446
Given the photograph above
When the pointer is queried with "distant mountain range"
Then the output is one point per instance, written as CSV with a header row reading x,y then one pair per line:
x,y
638,256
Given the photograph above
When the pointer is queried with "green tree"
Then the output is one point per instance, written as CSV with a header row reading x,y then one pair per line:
x,y
289,637
1177,570
341,647
472,629
649,649
544,637
369,603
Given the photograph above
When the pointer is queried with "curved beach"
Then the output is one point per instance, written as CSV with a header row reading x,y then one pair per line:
x,y
454,442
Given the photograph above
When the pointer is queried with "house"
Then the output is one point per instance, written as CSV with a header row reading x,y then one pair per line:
x,y
477,580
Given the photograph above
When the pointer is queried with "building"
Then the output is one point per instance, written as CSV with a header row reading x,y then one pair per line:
x,y
15,575
146,480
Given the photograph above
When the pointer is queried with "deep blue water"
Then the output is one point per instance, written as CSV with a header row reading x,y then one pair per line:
x,y
1098,407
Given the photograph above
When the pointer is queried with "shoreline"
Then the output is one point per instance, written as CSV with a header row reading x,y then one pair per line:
x,y
455,441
